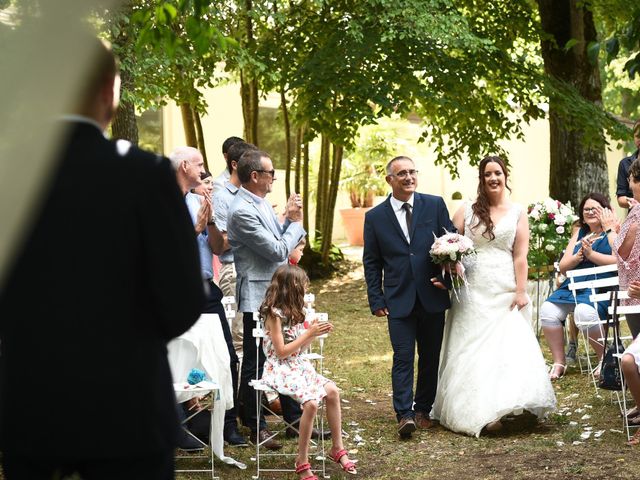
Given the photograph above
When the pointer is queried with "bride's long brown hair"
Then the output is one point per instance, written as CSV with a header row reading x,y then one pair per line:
x,y
481,206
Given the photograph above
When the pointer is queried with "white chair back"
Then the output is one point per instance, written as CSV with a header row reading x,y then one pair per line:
x,y
594,284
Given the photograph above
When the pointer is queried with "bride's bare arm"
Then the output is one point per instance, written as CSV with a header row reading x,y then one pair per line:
x,y
520,249
458,220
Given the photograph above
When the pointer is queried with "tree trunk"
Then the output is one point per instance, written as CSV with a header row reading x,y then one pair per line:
x,y
575,170
249,85
249,96
332,194
305,190
322,186
298,158
124,123
287,139
200,138
190,136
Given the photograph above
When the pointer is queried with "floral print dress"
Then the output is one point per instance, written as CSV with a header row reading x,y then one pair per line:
x,y
629,271
293,376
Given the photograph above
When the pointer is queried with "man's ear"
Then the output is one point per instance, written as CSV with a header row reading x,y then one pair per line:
x,y
388,179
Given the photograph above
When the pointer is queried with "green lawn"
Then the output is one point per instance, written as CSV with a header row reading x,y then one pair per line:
x,y
358,358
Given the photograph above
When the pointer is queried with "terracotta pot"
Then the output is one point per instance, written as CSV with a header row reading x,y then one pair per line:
x,y
353,220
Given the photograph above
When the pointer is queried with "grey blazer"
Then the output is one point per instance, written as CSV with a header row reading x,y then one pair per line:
x,y
259,248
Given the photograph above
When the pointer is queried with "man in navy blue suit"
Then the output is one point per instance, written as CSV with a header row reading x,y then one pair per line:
x,y
404,285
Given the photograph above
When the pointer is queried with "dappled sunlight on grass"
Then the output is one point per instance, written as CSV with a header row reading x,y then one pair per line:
x,y
370,359
358,357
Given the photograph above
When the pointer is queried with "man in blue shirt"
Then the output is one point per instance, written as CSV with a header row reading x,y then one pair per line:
x,y
221,201
189,165
220,181
623,191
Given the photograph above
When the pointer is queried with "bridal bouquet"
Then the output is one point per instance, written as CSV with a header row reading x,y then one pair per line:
x,y
448,251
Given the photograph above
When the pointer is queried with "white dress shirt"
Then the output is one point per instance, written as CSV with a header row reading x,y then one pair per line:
x,y
401,214
266,210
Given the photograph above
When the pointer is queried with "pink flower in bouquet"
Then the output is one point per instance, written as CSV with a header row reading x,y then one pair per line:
x,y
449,250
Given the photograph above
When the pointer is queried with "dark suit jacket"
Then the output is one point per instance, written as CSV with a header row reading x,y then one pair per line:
x,y
106,275
397,271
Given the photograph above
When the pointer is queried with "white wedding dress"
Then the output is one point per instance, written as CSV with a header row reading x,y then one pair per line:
x,y
491,364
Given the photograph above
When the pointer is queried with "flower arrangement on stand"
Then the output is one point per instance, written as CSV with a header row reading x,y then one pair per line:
x,y
550,226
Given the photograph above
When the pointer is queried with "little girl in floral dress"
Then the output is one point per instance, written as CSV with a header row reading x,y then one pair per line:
x,y
287,372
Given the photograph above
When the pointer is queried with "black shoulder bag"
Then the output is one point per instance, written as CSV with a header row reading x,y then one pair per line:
x,y
610,373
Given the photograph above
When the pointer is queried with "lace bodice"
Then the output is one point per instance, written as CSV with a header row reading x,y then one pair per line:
x,y
491,363
494,257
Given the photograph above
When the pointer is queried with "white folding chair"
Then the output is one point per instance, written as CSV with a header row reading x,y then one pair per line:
x,y
591,285
309,300
622,395
209,390
228,303
262,389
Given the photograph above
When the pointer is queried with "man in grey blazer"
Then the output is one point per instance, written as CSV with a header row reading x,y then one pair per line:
x,y
260,244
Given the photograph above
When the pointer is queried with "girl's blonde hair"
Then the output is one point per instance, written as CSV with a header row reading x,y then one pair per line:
x,y
286,293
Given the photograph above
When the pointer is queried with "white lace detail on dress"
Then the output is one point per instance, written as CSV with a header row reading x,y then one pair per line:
x,y
491,364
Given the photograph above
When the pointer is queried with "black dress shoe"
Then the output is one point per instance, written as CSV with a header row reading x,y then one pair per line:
x,y
264,437
234,439
315,433
189,444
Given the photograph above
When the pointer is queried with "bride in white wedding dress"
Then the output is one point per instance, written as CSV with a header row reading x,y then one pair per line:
x,y
491,364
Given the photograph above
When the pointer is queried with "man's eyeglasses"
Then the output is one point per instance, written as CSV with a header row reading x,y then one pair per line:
x,y
270,172
402,174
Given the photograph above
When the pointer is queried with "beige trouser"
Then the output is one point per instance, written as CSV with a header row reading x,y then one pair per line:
x,y
227,283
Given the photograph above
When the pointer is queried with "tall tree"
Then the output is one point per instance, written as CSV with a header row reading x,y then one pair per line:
x,y
170,49
577,166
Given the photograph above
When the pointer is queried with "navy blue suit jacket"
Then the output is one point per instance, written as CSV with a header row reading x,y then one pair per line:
x,y
397,271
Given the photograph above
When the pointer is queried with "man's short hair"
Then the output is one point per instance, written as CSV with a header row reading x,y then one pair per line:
x,y
250,161
105,68
236,151
229,142
636,127
395,159
181,154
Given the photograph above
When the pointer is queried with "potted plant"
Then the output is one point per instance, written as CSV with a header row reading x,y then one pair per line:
x,y
363,177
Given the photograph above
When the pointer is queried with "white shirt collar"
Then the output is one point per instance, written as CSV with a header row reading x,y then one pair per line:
x,y
397,204
82,119
253,196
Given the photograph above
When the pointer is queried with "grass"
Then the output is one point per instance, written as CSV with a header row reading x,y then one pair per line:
x,y
358,358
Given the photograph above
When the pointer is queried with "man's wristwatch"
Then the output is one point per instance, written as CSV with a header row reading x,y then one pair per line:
x,y
211,222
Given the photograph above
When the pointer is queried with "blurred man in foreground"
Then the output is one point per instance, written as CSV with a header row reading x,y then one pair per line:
x,y
105,277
